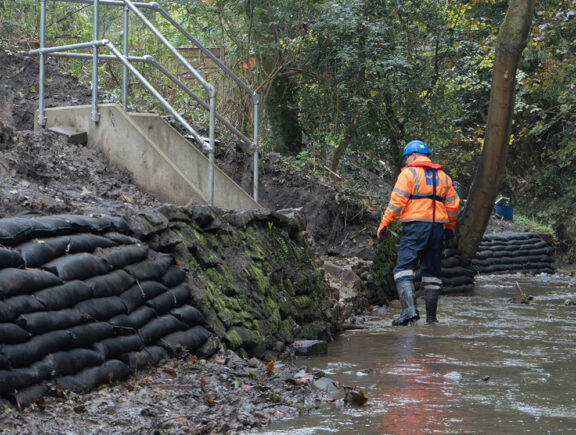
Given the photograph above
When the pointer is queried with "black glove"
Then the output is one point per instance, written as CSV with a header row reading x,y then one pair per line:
x,y
381,233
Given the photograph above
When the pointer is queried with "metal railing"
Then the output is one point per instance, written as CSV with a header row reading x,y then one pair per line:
x,y
129,6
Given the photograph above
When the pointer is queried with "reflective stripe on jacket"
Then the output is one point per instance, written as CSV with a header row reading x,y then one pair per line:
x,y
412,197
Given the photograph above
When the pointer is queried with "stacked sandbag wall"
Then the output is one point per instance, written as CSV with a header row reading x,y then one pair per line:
x,y
456,274
252,273
83,303
513,252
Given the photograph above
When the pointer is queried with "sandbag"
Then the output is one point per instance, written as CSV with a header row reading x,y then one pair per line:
x,y
456,271
12,307
111,347
151,270
101,308
11,333
92,377
29,395
173,276
112,284
88,334
171,299
40,251
151,355
4,363
88,242
191,340
36,348
77,266
121,256
122,239
128,324
16,379
189,315
50,226
160,327
63,296
15,230
10,258
139,293
72,361
97,223
15,282
45,321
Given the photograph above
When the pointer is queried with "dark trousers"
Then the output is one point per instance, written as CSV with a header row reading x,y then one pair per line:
x,y
421,241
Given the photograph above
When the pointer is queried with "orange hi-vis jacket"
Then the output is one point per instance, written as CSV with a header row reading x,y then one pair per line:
x,y
413,196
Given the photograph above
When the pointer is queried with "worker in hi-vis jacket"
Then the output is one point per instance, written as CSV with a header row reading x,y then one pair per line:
x,y
427,203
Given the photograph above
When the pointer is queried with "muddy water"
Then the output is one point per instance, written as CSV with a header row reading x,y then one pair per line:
x,y
490,366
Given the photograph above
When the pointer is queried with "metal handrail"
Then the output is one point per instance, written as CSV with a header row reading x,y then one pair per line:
x,y
133,6
152,61
126,61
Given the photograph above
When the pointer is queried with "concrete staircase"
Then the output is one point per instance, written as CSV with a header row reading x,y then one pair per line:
x,y
161,160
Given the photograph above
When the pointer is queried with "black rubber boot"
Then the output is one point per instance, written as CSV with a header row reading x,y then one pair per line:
x,y
408,301
431,298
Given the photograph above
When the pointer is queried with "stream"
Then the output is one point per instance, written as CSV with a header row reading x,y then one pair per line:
x,y
492,365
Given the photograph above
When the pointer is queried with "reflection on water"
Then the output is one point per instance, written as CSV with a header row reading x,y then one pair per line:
x,y
489,366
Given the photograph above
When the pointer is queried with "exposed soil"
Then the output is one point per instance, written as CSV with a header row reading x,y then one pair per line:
x,y
43,174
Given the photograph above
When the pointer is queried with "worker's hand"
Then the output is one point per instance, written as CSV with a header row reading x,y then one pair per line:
x,y
381,231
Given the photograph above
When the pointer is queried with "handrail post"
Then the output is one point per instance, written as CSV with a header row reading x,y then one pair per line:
x,y
95,114
41,117
124,67
212,146
256,99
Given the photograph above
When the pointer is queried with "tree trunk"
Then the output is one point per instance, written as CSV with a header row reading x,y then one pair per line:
x,y
489,174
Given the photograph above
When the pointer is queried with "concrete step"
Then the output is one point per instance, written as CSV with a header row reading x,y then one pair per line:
x,y
73,136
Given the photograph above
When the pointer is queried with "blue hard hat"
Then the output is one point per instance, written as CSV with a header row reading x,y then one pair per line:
x,y
415,146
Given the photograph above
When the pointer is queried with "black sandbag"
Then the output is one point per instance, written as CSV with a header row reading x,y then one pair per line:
x,y
40,251
171,299
453,261
191,339
93,224
77,266
486,253
64,296
15,282
101,308
111,347
90,333
16,379
456,271
149,356
139,293
122,239
15,230
10,258
88,242
151,270
189,315
72,361
112,284
173,276
457,281
122,256
12,307
51,226
11,333
160,327
30,395
36,348
459,289
129,323
45,321
92,377
4,363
